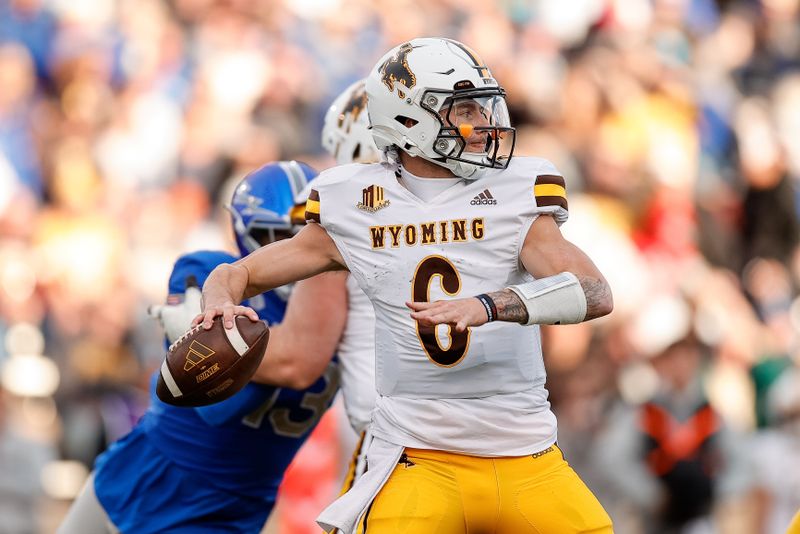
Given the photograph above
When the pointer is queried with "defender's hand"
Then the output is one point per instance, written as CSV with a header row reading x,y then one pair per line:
x,y
176,319
459,313
228,310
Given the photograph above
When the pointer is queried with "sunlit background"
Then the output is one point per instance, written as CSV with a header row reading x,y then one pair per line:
x,y
125,123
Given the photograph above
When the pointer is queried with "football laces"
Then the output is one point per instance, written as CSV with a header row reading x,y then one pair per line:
x,y
185,335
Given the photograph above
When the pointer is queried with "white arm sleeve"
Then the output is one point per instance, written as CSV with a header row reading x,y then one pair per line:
x,y
557,299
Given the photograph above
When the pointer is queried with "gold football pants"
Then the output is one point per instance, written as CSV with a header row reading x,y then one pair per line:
x,y
434,492
794,526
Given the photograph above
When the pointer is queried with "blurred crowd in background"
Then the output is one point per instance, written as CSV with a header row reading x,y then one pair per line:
x,y
124,125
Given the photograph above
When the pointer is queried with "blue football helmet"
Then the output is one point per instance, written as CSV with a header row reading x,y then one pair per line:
x,y
267,204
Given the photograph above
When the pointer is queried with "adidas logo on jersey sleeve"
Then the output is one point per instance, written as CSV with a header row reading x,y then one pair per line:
x,y
483,199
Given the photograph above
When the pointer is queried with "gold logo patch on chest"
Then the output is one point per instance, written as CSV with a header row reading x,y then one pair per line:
x,y
372,199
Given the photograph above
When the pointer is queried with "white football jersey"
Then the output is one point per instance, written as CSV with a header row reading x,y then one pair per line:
x,y
477,392
356,353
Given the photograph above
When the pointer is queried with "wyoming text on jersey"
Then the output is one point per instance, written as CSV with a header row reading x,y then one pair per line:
x,y
428,233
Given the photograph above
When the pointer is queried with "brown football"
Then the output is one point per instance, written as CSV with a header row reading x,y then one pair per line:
x,y
207,366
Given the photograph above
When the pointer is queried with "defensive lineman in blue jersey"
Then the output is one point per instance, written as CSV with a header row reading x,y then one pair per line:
x,y
215,468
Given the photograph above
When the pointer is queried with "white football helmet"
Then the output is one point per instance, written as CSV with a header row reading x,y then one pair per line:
x,y
434,98
345,134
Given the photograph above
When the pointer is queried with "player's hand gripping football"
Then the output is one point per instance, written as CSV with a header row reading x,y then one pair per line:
x,y
458,313
227,309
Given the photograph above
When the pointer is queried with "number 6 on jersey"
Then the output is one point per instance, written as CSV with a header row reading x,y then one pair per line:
x,y
450,282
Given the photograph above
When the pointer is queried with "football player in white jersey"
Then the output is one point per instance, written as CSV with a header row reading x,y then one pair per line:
x,y
458,248
347,137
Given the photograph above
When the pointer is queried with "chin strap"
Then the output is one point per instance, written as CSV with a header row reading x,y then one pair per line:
x,y
462,169
467,171
391,158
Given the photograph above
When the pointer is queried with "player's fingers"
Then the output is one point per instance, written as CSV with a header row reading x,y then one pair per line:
x,y
208,317
251,314
435,319
435,308
455,318
426,321
423,314
228,313
198,319
419,306
438,309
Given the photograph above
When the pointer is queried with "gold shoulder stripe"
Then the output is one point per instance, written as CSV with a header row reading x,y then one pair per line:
x,y
312,206
549,190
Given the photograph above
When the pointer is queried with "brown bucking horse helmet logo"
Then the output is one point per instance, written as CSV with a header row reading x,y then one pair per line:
x,y
396,70
354,107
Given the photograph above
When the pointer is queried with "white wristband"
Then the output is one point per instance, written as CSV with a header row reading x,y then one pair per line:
x,y
557,299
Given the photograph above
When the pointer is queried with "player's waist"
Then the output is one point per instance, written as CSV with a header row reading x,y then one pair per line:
x,y
487,361
434,390
476,377
359,410
513,424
